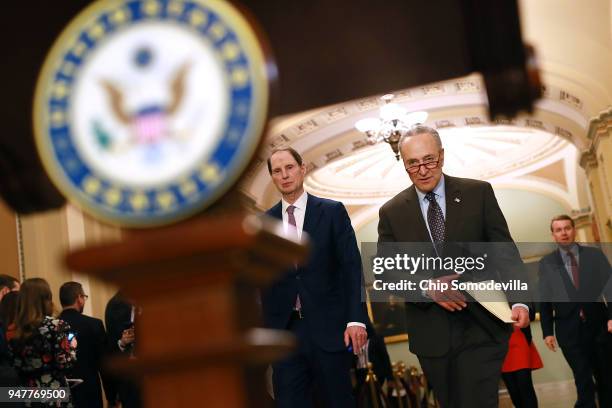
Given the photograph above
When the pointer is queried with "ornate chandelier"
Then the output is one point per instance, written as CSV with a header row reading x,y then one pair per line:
x,y
393,122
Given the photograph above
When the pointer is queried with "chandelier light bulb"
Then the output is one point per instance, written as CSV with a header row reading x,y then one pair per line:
x,y
368,125
415,118
392,111
393,122
387,98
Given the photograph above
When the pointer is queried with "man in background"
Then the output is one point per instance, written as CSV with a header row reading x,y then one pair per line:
x,y
119,317
8,284
318,301
91,346
9,294
580,321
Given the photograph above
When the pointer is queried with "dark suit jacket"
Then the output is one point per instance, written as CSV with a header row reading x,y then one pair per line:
x,y
527,330
329,282
555,284
474,217
117,317
91,346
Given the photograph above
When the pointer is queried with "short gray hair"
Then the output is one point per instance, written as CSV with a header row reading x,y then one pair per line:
x,y
421,130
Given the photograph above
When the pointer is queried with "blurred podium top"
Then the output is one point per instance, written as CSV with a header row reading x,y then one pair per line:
x,y
199,335
251,247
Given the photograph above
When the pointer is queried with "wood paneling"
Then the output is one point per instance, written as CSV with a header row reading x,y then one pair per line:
x,y
9,250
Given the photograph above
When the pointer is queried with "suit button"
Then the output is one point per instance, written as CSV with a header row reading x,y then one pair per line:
x,y
298,277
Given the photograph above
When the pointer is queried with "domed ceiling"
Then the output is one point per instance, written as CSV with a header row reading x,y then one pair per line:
x,y
481,152
534,152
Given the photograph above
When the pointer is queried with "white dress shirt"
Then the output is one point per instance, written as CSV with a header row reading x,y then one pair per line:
x,y
299,213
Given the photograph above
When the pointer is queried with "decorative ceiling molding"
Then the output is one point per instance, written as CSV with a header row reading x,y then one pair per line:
x,y
575,71
467,91
554,172
503,158
561,112
600,126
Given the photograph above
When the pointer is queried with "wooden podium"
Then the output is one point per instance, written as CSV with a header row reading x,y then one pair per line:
x,y
198,341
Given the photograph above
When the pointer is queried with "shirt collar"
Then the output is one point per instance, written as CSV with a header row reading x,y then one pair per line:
x,y
438,190
300,203
573,248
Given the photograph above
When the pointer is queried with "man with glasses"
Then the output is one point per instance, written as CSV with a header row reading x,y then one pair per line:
x,y
91,345
461,347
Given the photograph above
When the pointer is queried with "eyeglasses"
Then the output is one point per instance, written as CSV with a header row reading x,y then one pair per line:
x,y
429,164
85,296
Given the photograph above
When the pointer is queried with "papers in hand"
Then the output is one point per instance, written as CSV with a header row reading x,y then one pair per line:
x,y
495,302
73,382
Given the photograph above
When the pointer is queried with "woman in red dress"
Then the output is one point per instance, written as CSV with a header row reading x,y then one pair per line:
x,y
521,359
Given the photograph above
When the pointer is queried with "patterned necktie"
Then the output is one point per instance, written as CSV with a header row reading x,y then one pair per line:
x,y
574,268
575,277
292,232
435,219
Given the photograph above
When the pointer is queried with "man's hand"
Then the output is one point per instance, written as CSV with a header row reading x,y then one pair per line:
x,y
551,343
450,300
357,336
610,326
521,316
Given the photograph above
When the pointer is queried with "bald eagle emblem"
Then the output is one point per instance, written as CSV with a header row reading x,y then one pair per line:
x,y
148,124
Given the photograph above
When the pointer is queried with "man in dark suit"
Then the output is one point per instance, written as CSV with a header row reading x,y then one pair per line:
x,y
8,284
319,301
119,316
573,279
91,345
460,347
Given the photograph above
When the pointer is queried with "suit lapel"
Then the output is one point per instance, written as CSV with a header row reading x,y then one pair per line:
x,y
276,211
454,206
414,207
312,215
583,263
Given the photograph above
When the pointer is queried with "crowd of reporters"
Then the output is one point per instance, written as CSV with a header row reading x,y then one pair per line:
x,y
40,348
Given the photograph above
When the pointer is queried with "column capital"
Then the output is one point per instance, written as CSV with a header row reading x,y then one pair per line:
x,y
600,127
582,216
588,159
